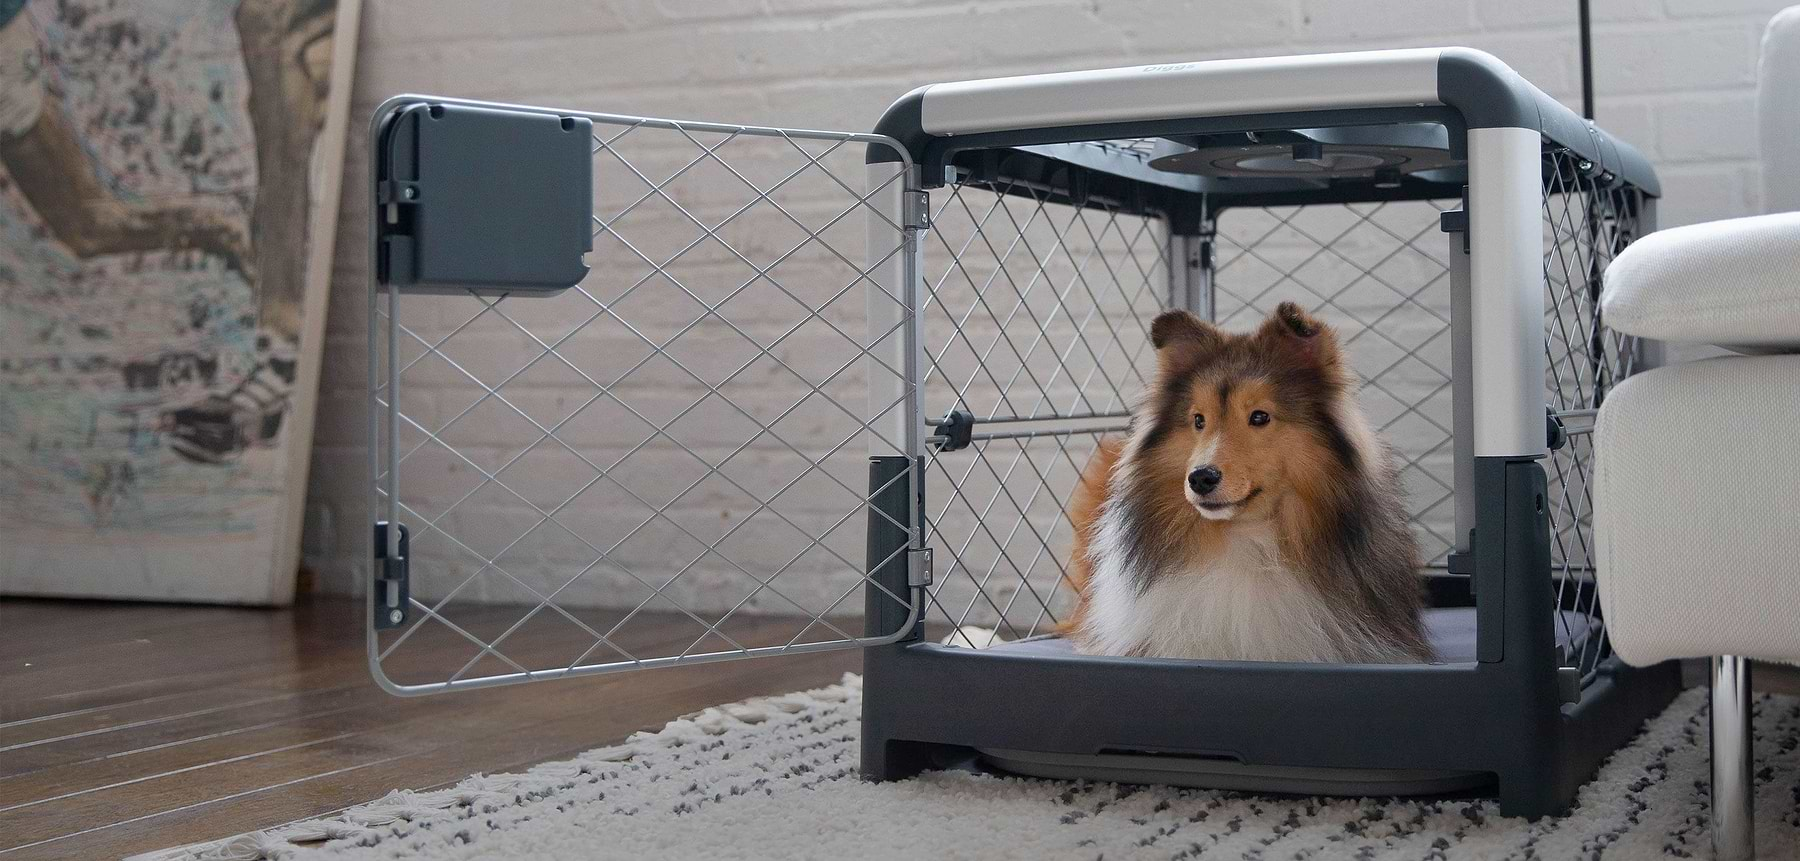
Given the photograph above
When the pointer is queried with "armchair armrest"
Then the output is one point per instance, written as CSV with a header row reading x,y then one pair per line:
x,y
1734,283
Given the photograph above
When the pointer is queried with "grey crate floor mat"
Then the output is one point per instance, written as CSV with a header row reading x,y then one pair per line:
x,y
1452,632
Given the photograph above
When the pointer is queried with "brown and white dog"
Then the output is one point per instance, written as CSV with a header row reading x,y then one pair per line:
x,y
1251,514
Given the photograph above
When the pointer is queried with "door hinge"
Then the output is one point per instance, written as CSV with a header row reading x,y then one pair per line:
x,y
392,590
918,567
396,191
917,210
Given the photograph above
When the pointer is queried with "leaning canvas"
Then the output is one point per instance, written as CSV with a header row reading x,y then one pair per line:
x,y
169,175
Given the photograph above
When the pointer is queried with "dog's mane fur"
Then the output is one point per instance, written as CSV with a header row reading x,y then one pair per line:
x,y
1339,529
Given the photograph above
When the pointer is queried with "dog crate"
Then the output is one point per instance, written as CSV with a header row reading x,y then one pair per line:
x,y
649,392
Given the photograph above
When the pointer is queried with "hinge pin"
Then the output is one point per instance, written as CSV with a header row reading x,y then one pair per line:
x,y
392,589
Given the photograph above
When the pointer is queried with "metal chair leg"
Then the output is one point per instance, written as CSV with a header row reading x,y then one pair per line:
x,y
1732,788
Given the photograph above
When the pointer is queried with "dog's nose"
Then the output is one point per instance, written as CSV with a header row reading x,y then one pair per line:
x,y
1204,480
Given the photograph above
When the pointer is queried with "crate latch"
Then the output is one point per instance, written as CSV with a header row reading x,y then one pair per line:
x,y
392,589
954,431
1457,220
918,567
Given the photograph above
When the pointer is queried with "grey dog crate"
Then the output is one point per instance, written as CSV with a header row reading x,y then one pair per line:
x,y
648,392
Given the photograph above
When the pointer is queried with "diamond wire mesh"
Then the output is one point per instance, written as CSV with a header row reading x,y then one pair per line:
x,y
1036,311
1377,271
666,463
1379,274
1586,223
1339,260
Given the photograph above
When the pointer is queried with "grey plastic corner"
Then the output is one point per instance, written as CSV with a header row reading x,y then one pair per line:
x,y
1489,94
903,121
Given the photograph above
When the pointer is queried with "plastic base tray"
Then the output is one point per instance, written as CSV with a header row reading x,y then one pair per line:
x,y
1225,774
1452,632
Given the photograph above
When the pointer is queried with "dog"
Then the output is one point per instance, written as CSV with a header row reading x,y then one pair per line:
x,y
1250,514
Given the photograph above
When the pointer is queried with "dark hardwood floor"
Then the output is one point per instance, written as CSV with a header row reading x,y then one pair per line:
x,y
131,727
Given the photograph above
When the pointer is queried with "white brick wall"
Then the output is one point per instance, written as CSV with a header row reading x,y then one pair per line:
x,y
1675,77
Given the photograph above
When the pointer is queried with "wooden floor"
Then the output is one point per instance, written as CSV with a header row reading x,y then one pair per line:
x,y
129,727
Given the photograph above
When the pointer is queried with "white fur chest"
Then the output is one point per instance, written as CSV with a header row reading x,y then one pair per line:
x,y
1242,605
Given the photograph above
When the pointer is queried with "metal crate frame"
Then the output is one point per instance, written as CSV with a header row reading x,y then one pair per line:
x,y
1549,200
1585,224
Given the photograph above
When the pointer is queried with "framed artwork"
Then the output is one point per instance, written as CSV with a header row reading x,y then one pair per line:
x,y
169,178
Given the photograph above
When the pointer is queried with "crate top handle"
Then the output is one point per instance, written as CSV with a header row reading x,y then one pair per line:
x,y
1483,91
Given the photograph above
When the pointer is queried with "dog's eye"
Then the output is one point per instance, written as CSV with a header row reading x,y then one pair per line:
x,y
1199,422
1258,418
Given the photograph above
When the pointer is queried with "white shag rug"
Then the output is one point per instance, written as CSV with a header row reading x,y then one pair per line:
x,y
776,778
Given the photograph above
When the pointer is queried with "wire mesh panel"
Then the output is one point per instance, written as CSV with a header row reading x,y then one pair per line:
x,y
1035,321
1587,221
1379,274
668,462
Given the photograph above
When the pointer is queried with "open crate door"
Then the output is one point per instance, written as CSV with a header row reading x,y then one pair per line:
x,y
641,393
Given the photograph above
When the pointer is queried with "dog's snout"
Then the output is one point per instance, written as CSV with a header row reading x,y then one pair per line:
x,y
1205,479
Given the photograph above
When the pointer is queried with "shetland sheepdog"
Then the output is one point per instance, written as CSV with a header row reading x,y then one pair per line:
x,y
1250,514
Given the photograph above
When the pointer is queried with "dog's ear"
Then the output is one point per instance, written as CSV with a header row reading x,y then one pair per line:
x,y
1178,335
1291,328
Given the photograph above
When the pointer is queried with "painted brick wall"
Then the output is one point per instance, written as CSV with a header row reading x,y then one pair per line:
x,y
1675,77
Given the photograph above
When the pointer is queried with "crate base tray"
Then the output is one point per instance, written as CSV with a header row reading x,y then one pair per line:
x,y
1207,773
1452,634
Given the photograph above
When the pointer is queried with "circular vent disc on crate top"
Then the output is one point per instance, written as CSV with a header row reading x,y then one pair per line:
x,y
1381,153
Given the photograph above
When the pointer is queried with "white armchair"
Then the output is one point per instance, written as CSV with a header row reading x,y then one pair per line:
x,y
1698,470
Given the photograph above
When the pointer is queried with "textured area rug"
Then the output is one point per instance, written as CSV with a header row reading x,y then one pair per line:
x,y
776,778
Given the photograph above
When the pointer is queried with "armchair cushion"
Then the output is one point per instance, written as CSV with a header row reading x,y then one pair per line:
x,y
1734,283
1696,530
